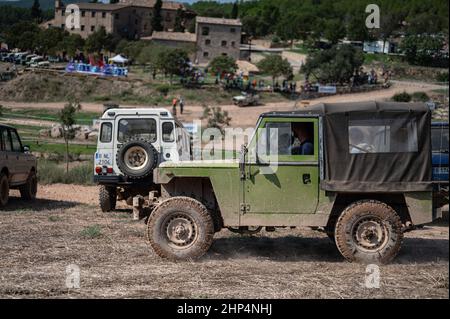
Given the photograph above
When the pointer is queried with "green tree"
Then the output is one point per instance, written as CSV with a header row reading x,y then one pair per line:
x,y
275,66
288,28
22,35
179,19
36,12
222,63
422,49
71,43
335,65
156,17
149,56
67,121
235,11
172,62
215,117
97,41
334,30
48,40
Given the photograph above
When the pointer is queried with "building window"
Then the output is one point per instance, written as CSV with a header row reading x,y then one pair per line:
x,y
233,44
116,16
233,30
63,13
205,31
82,28
205,54
207,42
63,26
103,15
83,13
92,28
135,21
224,43
93,14
224,54
145,26
168,17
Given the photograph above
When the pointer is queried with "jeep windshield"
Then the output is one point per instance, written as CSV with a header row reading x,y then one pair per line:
x,y
137,129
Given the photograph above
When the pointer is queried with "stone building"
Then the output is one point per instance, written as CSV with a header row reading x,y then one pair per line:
x,y
173,39
128,18
217,36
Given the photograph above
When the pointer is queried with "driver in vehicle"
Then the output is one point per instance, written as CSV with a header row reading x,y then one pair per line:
x,y
303,141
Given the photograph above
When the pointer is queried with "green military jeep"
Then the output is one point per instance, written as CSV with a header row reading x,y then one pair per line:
x,y
361,172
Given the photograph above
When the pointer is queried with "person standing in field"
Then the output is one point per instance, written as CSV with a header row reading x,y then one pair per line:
x,y
174,106
181,105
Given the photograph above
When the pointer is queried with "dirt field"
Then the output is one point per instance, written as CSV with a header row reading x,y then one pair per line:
x,y
247,116
65,227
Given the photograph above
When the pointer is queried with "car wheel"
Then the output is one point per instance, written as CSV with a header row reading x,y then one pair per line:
x,y
4,190
369,231
180,228
107,198
29,190
137,158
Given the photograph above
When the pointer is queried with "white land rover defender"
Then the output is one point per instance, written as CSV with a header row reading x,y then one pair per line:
x,y
131,143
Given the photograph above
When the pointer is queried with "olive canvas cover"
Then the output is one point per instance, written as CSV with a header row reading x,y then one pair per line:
x,y
375,146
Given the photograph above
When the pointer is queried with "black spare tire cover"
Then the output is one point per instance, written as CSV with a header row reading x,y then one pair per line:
x,y
136,158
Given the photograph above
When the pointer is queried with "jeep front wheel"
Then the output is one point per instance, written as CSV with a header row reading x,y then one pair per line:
x,y
107,198
369,231
180,228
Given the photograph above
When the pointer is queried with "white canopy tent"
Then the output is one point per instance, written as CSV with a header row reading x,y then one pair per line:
x,y
118,59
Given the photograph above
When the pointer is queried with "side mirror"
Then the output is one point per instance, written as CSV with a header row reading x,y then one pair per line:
x,y
244,151
26,149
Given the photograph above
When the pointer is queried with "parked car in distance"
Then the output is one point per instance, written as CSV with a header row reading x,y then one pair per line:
x,y
18,167
41,64
246,99
54,59
34,60
17,58
26,59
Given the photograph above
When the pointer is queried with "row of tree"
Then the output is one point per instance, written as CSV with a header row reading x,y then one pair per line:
x,y
331,19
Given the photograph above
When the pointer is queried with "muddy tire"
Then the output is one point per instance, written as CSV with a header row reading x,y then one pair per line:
x,y
137,158
4,190
107,198
180,228
369,231
29,190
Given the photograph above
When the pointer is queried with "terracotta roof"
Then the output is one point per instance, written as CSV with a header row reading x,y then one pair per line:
x,y
235,22
168,5
173,36
101,6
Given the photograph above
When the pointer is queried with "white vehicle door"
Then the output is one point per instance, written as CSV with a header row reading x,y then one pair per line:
x,y
168,141
104,155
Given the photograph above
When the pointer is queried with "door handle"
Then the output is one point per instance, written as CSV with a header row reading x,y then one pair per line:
x,y
306,178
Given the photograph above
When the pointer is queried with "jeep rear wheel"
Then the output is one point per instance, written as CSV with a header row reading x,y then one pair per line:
x,y
107,198
29,190
137,158
180,228
4,190
369,231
